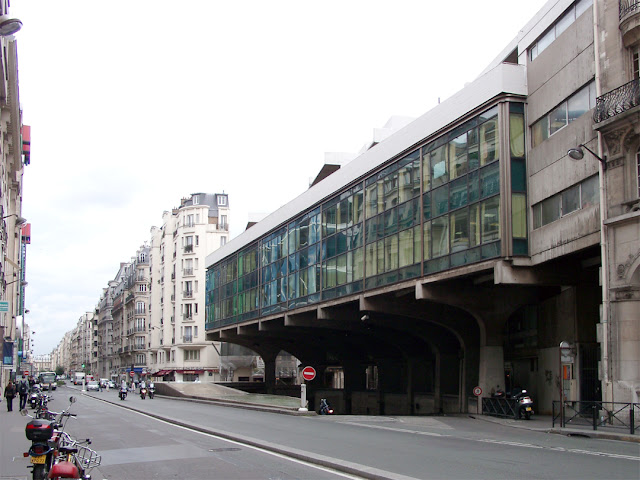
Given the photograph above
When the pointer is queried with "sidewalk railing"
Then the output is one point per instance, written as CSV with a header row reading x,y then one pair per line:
x,y
609,415
500,407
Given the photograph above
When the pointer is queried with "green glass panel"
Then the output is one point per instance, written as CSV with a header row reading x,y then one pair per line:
x,y
426,206
518,175
440,200
490,180
458,193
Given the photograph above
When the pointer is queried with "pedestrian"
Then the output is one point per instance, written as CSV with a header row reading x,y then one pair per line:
x,y
9,393
23,390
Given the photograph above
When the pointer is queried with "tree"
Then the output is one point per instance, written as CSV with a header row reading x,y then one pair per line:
x,y
59,370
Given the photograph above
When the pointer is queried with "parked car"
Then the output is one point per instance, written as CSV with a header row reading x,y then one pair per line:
x,y
92,385
111,384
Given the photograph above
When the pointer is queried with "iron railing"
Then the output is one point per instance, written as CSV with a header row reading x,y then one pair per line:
x,y
617,101
609,415
628,6
500,407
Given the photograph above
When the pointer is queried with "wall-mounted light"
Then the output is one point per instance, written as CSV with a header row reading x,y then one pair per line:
x,y
9,26
578,154
19,220
22,284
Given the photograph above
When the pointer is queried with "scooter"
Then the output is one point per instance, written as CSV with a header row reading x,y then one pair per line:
x,y
123,393
44,434
325,408
525,404
152,392
143,392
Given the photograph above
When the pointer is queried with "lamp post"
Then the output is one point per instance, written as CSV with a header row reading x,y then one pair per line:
x,y
578,154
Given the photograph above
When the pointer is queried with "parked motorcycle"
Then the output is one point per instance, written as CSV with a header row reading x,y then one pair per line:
x,y
44,434
325,408
34,396
525,403
123,393
143,392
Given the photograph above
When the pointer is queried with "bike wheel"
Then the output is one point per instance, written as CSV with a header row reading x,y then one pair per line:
x,y
39,472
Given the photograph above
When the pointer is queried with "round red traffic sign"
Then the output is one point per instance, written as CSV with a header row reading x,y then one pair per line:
x,y
477,391
132,374
308,373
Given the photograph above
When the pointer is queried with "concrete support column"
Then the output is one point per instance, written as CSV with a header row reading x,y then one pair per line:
x,y
270,373
491,371
355,380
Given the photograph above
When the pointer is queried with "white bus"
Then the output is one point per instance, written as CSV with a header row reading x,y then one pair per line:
x,y
47,380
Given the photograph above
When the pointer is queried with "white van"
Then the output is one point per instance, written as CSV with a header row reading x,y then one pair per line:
x,y
78,378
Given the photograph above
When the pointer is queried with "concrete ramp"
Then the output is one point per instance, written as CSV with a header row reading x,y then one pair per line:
x,y
220,393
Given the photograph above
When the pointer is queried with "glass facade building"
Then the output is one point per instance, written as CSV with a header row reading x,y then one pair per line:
x,y
436,206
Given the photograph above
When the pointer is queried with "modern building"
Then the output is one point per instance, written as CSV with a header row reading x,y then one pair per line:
x,y
466,248
178,350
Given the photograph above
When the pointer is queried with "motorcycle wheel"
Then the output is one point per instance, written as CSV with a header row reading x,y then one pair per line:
x,y
527,415
39,472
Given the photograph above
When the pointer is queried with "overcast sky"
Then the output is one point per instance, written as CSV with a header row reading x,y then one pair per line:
x,y
136,104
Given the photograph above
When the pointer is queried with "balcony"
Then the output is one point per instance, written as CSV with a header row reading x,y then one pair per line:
x,y
140,329
173,297
187,317
138,347
187,339
187,294
629,21
187,272
617,101
173,276
188,249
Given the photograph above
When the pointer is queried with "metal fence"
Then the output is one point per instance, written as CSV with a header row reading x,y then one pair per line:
x,y
500,407
603,415
617,101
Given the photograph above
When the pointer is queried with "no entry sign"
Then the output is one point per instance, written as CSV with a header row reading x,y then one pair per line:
x,y
477,391
308,373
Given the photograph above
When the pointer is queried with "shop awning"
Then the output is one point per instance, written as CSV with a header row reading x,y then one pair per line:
x,y
161,373
190,372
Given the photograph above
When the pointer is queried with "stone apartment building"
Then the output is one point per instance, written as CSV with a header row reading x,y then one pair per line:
x,y
178,350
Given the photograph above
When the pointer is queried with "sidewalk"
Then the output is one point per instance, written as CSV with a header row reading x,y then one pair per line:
x,y
13,443
543,423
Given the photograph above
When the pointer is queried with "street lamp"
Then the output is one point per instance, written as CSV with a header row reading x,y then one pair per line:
x,y
578,154
9,26
19,220
22,284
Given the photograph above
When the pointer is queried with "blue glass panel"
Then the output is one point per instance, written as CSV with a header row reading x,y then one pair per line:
x,y
390,221
490,180
458,193
491,250
440,200
474,187
426,206
341,242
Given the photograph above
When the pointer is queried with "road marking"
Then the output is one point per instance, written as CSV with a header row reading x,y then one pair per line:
x,y
559,449
393,429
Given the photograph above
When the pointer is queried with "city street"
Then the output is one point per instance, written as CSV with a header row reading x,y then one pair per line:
x,y
137,446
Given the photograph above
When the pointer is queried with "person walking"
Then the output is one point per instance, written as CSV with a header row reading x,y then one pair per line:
x,y
9,394
23,391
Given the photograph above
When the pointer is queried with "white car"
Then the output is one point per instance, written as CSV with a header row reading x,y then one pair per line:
x,y
93,385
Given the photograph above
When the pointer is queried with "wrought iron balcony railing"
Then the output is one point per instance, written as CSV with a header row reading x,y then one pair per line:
x,y
628,6
617,101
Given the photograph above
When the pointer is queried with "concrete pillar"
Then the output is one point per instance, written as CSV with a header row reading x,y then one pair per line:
x,y
355,380
491,371
270,373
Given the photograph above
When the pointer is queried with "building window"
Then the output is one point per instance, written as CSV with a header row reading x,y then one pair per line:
x,y
583,195
569,16
565,113
223,241
140,308
189,221
638,171
191,355
222,200
142,288
196,200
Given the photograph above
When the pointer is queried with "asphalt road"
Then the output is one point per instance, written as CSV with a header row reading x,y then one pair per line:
x,y
136,446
